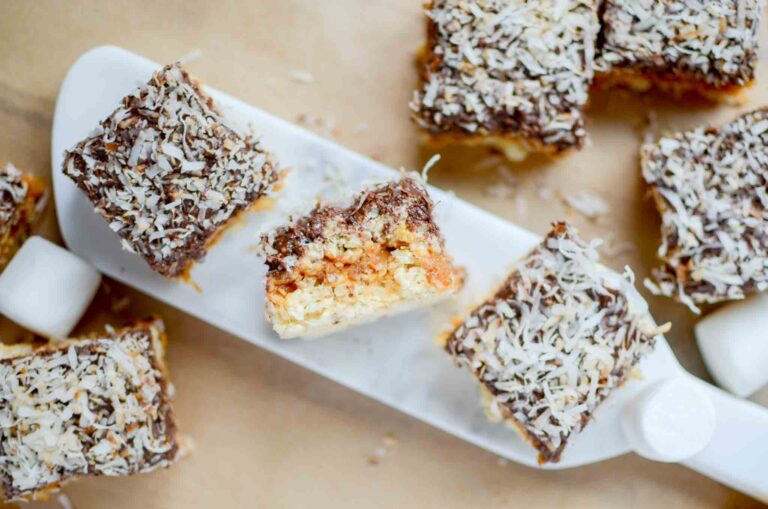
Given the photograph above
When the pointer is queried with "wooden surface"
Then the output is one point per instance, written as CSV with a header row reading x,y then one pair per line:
x,y
267,433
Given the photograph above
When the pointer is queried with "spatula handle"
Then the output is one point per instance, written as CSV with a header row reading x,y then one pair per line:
x,y
737,456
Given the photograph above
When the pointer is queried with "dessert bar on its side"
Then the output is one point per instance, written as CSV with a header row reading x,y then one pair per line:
x,y
340,266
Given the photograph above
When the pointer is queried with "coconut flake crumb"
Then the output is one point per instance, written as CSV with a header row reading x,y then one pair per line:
x,y
506,185
650,128
521,206
559,336
500,191
589,204
325,126
545,192
390,440
303,77
388,443
64,502
612,248
428,166
188,58
120,304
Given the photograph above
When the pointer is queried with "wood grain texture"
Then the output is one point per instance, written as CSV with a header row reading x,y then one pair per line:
x,y
267,433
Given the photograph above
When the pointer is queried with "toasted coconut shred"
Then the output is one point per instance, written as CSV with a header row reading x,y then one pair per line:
x,y
18,207
711,188
710,41
559,336
167,173
13,191
505,67
95,406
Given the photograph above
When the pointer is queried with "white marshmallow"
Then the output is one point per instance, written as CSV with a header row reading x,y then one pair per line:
x,y
46,289
734,343
669,421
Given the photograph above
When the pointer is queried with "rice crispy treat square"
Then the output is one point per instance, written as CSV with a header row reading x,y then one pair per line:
x,y
98,405
560,335
706,48
710,186
511,74
168,174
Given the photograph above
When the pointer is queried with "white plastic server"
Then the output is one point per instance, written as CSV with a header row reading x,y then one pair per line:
x,y
394,361
46,289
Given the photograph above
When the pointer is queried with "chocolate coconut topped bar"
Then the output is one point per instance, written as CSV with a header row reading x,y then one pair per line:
x,y
711,188
340,266
513,74
704,47
559,336
94,406
21,197
167,173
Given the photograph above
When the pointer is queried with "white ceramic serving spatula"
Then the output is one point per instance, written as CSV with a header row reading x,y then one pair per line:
x,y
394,361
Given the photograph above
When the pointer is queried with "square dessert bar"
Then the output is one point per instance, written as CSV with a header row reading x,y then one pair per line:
x,y
167,173
559,336
699,47
21,197
512,74
93,406
341,266
711,188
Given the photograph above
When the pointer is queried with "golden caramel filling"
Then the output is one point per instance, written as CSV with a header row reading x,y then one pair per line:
x,y
354,278
677,86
